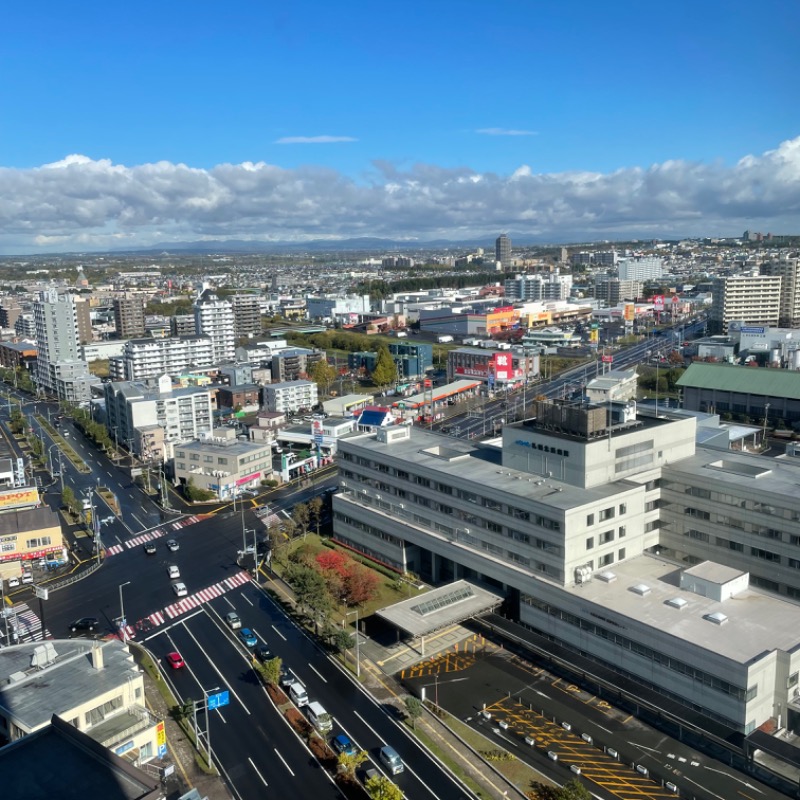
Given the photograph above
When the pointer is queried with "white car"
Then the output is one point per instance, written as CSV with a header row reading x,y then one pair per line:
x,y
173,571
13,583
180,589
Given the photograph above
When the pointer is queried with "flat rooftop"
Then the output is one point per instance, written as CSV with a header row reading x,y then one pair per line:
x,y
465,461
741,639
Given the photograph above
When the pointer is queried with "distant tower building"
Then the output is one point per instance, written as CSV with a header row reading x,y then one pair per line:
x,y
246,315
129,317
84,316
182,325
502,251
214,318
788,268
640,268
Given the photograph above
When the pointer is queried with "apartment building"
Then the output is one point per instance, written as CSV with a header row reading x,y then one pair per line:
x,y
294,362
787,268
753,300
131,407
182,325
214,318
149,358
129,317
640,268
246,316
613,291
290,397
571,520
539,286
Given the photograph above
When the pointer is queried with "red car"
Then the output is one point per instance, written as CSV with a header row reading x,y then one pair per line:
x,y
175,660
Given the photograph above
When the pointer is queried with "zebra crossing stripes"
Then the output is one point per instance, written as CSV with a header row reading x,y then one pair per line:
x,y
204,595
114,549
25,623
157,533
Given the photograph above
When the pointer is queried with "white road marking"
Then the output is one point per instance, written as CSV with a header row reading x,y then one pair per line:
x,y
257,772
109,474
139,521
279,633
284,761
228,601
318,675
177,622
246,598
214,667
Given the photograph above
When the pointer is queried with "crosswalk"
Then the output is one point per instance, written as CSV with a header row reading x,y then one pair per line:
x,y
156,533
186,604
25,623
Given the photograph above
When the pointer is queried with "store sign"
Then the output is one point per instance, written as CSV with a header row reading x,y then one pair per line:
x,y
19,497
253,476
658,302
161,734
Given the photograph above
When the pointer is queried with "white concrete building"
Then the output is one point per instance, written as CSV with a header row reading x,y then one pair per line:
x,y
214,318
149,358
291,396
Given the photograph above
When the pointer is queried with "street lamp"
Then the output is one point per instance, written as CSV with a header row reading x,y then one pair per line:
x,y
766,417
122,612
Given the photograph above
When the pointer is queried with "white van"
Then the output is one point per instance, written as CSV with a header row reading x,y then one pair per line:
x,y
298,694
319,717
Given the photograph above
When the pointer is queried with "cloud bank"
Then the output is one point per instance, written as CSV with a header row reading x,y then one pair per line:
x,y
80,203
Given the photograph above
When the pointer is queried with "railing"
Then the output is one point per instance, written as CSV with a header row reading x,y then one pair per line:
x,y
54,587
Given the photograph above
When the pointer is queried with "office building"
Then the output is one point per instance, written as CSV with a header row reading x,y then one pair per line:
x,y
347,309
753,300
246,316
412,360
542,286
129,317
502,251
290,397
223,464
787,268
214,318
640,268
131,408
150,358
572,519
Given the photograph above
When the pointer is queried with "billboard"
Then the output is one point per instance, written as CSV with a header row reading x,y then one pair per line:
x,y
658,302
502,367
629,312
18,498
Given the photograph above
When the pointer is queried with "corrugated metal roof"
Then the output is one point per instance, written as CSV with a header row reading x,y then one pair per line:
x,y
748,380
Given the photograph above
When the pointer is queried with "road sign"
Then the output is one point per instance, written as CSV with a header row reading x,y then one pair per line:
x,y
218,700
42,592
607,359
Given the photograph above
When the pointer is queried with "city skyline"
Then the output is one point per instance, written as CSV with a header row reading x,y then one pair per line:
x,y
124,129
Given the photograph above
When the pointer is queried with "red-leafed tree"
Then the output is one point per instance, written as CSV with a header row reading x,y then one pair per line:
x,y
359,585
333,561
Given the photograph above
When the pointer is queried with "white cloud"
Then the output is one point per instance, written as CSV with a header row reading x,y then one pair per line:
x,y
505,132
314,139
81,203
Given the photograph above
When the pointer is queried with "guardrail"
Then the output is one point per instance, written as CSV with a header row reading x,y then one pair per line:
x,y
54,587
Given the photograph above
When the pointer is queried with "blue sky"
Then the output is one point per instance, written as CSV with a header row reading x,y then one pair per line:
x,y
342,102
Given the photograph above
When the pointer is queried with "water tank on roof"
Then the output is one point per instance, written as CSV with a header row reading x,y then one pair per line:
x,y
794,359
775,355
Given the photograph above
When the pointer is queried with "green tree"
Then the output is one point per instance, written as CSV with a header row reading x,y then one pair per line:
x,y
271,670
323,374
572,790
68,500
348,763
385,372
341,640
301,516
379,787
315,506
413,709
310,590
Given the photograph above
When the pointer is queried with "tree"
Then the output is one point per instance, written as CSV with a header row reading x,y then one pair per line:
x,y
68,500
342,640
413,709
315,505
359,585
301,515
348,763
379,787
385,372
572,790
323,374
310,590
271,671
333,561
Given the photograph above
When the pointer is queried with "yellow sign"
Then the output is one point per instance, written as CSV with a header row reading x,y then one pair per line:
x,y
629,312
594,335
19,497
161,734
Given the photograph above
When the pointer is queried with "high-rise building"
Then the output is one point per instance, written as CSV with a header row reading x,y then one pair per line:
x,y
59,361
214,318
788,269
129,317
640,268
614,291
9,313
84,320
754,300
502,251
150,358
246,315
182,325
544,286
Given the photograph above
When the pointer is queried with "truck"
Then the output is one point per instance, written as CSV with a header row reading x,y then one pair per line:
x,y
444,337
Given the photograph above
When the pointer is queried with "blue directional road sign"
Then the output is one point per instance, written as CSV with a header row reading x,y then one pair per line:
x,y
218,700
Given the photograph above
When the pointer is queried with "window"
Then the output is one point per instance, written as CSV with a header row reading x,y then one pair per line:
x,y
791,680
621,554
42,541
606,560
765,554
606,537
751,694
589,520
622,531
607,513
590,543
223,461
623,508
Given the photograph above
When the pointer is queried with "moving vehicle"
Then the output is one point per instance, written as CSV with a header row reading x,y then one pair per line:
x,y
391,759
84,624
232,618
298,694
287,678
173,571
175,660
262,653
248,637
150,548
173,546
344,744
319,717
180,589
